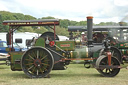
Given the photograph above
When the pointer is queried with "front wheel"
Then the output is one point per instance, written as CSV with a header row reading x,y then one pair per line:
x,y
37,62
108,72
115,53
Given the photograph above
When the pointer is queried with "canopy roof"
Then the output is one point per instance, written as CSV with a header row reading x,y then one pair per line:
x,y
42,22
77,28
95,28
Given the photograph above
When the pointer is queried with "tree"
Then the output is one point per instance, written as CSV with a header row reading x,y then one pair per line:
x,y
73,23
107,24
0,22
18,16
26,29
28,17
61,31
40,30
64,23
3,28
49,17
82,23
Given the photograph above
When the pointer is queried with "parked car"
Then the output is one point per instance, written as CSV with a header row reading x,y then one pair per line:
x,y
3,46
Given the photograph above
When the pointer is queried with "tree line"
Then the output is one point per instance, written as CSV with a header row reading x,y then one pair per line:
x,y
60,30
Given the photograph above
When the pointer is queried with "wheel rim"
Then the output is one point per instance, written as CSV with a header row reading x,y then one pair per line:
x,y
37,62
115,53
108,72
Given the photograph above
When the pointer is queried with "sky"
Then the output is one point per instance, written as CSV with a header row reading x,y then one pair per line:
x,y
77,10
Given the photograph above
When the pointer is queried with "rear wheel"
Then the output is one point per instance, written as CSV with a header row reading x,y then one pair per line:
x,y
37,62
107,72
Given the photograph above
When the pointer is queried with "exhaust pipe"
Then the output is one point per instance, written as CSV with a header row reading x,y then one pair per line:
x,y
89,29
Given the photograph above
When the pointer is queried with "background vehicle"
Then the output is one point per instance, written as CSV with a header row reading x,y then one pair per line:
x,y
4,46
63,38
23,39
116,34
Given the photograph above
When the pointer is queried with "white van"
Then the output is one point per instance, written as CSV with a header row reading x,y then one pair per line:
x,y
3,36
63,38
24,39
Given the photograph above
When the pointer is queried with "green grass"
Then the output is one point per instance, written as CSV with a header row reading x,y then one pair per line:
x,y
76,74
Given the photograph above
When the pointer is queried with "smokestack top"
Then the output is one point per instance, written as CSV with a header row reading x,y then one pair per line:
x,y
89,17
121,23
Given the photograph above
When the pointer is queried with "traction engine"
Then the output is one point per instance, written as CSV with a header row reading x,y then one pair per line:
x,y
48,53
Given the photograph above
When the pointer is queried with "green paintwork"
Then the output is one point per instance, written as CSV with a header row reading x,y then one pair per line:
x,y
123,45
124,51
95,55
80,52
40,42
14,57
65,45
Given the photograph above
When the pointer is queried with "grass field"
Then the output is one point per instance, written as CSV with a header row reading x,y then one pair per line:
x,y
76,74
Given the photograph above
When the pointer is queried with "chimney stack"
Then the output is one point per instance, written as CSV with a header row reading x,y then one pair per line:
x,y
89,29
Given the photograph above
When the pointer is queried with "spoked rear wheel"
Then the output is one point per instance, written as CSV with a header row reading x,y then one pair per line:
x,y
108,72
37,62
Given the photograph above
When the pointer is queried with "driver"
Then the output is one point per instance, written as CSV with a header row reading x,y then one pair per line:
x,y
95,39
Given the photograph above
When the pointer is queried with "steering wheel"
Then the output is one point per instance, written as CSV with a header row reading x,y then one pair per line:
x,y
112,40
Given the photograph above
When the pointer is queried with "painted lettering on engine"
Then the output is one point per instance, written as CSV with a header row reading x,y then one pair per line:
x,y
65,45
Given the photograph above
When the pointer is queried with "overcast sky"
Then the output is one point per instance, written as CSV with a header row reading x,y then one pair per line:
x,y
78,10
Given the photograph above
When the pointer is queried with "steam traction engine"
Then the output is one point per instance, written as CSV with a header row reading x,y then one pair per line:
x,y
48,53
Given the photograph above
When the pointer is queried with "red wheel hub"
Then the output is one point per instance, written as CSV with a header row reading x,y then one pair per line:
x,y
52,43
37,62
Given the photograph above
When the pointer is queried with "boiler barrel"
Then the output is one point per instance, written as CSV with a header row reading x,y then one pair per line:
x,y
80,52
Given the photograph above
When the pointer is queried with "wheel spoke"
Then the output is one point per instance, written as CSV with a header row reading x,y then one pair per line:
x,y
110,71
34,54
29,64
31,67
37,72
45,64
37,54
106,70
41,70
112,53
46,60
30,56
44,57
41,54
